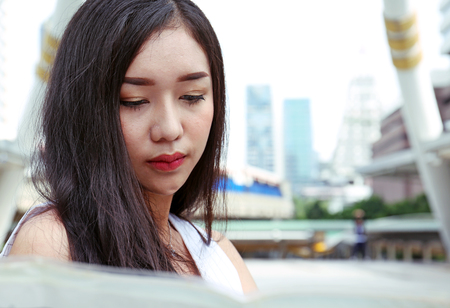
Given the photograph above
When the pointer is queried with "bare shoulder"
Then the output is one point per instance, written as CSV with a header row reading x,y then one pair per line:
x,y
43,235
248,284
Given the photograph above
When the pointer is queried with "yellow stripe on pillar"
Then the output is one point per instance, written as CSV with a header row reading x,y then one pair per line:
x,y
51,41
403,39
43,74
403,43
400,25
407,62
48,53
47,57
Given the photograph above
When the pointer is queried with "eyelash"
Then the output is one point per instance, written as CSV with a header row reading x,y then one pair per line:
x,y
191,99
133,104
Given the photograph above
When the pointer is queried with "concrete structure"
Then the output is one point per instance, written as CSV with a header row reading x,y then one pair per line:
x,y
393,173
360,127
393,135
11,181
52,30
2,73
299,161
337,196
405,183
288,284
420,107
425,113
15,189
407,238
11,162
260,133
321,283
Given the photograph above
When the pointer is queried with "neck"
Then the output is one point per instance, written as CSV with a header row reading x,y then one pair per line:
x,y
159,206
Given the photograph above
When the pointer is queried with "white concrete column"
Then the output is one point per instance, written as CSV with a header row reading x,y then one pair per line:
x,y
11,176
391,250
427,253
407,252
429,249
408,249
420,110
53,29
378,249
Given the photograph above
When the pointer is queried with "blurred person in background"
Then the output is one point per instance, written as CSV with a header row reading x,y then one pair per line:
x,y
132,131
359,249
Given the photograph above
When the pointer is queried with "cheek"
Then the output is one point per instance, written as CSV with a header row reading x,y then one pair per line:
x,y
126,132
130,129
200,127
205,122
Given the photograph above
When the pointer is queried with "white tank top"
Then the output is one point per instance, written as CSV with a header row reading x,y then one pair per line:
x,y
212,262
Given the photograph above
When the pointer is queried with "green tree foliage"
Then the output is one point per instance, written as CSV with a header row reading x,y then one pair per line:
x,y
311,209
300,205
317,210
374,207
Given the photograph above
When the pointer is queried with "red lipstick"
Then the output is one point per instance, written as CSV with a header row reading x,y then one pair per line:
x,y
167,162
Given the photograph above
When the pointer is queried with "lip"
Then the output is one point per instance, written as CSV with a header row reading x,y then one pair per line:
x,y
167,162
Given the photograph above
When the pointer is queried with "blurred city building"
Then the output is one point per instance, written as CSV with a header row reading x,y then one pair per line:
x,y
16,191
260,145
251,193
3,109
299,159
11,175
445,26
414,238
360,127
255,193
393,171
340,182
415,140
11,162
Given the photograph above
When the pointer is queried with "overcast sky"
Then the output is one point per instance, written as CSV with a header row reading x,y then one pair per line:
x,y
302,48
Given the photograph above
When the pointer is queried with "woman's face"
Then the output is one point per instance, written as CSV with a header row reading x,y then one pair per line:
x,y
166,110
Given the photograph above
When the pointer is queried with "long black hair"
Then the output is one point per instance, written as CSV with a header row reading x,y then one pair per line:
x,y
82,167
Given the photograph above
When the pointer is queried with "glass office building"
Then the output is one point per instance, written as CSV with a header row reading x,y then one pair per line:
x,y
260,151
298,148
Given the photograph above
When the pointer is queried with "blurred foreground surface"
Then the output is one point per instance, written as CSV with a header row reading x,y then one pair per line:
x,y
374,279
36,282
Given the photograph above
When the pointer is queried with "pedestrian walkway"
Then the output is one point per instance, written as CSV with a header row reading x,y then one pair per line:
x,y
354,279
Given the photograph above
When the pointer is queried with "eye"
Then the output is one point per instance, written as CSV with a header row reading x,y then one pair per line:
x,y
134,104
192,99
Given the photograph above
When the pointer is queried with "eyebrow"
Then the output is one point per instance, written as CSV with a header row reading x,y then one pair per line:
x,y
138,81
192,76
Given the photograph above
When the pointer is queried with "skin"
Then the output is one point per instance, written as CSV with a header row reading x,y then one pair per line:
x,y
43,235
159,116
166,108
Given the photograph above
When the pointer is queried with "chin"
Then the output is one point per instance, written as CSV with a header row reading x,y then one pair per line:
x,y
161,191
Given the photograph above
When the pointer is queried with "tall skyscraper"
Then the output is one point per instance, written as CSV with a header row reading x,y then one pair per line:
x,y
299,159
260,151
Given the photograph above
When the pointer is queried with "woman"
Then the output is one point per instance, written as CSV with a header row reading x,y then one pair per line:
x,y
133,126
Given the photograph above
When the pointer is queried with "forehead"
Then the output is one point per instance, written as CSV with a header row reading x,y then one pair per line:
x,y
169,51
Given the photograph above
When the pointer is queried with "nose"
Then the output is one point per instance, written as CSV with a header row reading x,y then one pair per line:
x,y
167,125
